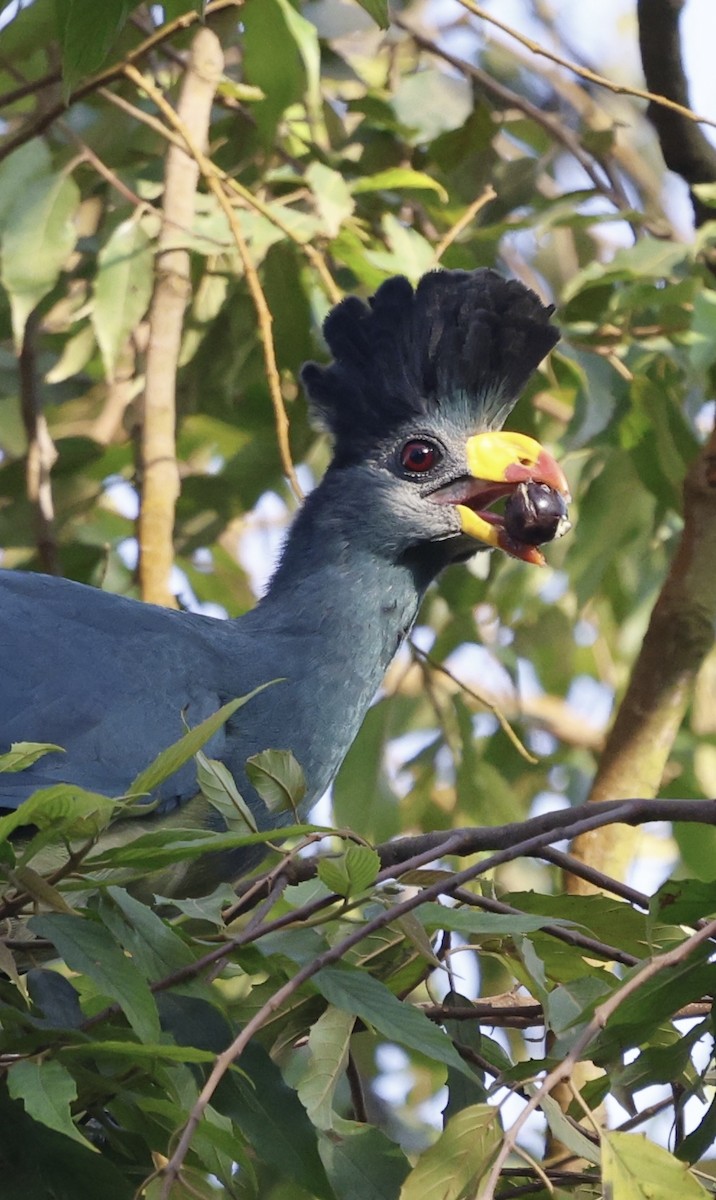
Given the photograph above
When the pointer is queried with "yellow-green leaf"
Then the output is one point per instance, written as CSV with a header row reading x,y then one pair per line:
x,y
463,1154
634,1168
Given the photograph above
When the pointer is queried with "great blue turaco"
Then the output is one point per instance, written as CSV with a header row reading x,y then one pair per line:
x,y
414,400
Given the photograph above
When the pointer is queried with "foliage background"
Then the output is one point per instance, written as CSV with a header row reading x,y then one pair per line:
x,y
349,144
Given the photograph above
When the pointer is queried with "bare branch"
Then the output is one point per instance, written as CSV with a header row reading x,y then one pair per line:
x,y
679,637
158,468
213,179
621,89
685,148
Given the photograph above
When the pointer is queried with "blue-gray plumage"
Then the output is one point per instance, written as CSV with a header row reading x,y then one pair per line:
x,y
418,382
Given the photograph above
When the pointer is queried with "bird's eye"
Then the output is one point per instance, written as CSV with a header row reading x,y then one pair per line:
x,y
419,456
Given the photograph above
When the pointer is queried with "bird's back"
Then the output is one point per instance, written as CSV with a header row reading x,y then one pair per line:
x,y
108,679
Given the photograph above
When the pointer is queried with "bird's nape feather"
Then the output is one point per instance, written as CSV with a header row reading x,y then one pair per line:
x,y
460,336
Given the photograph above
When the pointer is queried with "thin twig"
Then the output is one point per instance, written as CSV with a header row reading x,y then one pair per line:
x,y
480,698
602,1013
605,883
487,195
621,89
30,86
252,280
314,256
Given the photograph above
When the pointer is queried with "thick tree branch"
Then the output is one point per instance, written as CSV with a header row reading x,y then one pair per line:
x,y
686,149
679,637
172,289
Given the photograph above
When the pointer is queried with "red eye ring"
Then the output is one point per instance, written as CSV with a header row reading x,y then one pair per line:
x,y
419,456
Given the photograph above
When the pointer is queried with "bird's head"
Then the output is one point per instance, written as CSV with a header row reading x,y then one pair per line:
x,y
415,398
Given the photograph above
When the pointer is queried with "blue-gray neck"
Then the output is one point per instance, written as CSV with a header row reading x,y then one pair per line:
x,y
338,608
341,602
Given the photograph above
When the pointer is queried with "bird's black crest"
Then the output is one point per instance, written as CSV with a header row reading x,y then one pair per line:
x,y
468,337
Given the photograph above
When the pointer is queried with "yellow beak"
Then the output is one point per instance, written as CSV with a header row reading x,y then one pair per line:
x,y
502,460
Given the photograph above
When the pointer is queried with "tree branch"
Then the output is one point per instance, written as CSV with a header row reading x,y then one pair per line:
x,y
551,124
620,89
686,149
158,468
217,183
678,639
602,1013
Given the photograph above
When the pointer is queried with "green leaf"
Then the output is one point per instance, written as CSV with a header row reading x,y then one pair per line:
x,y
378,10
655,1001
368,998
38,237
697,1143
70,810
151,942
328,1045
205,908
55,997
47,1090
472,921
280,75
122,288
161,1051
305,36
332,197
270,1115
351,873
430,102
364,1165
162,847
87,32
410,254
454,1166
636,1169
398,179
23,754
174,757
88,948
567,1133
362,798
219,787
20,171
683,901
332,872
278,779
